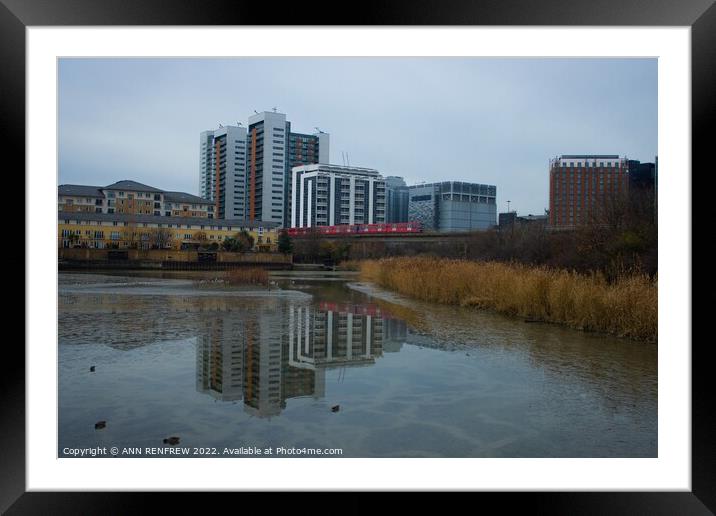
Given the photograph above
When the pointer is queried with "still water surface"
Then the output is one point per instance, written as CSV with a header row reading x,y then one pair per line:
x,y
226,368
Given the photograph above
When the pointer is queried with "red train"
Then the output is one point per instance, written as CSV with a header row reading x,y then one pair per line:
x,y
387,228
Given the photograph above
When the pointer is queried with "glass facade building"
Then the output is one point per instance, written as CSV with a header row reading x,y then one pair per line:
x,y
452,206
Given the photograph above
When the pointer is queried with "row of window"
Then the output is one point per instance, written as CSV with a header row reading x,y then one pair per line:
x,y
260,229
589,165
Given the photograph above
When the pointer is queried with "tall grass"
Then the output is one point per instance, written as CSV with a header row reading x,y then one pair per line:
x,y
350,265
247,276
626,307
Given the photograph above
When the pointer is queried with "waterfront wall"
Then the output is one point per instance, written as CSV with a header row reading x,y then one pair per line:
x,y
169,259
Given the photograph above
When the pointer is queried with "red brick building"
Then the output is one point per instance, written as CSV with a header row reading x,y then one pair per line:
x,y
581,186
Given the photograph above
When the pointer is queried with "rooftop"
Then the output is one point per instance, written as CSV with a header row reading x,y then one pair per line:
x,y
128,184
339,169
185,197
589,156
80,190
131,186
306,135
451,184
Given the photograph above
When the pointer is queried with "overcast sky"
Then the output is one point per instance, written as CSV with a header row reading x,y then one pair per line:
x,y
495,121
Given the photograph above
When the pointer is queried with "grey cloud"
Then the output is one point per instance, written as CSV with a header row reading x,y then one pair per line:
x,y
486,120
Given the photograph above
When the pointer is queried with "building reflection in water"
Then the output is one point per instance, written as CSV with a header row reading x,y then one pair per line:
x,y
269,356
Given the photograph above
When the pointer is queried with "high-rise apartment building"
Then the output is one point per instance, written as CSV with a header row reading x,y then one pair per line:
x,y
453,206
273,151
223,170
267,150
582,187
328,195
303,149
247,172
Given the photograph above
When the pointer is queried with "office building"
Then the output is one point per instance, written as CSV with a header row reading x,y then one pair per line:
x,y
510,219
507,219
642,187
583,186
452,206
223,170
538,220
329,195
641,175
397,197
656,186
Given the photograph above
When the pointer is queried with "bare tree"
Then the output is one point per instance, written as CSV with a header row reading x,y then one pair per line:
x,y
161,238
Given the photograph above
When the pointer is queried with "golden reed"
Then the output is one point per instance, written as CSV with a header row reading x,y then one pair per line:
x,y
626,307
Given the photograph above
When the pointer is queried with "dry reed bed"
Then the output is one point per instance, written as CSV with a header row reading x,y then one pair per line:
x,y
626,307
247,276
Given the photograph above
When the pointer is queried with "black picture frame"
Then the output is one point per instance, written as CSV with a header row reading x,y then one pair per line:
x,y
700,15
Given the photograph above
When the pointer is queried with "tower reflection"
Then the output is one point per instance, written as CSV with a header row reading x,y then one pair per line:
x,y
273,353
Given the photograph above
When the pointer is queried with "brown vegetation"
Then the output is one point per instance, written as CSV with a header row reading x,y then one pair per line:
x,y
350,265
621,237
626,306
247,276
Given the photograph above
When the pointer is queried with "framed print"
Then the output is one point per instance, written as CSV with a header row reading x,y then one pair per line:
x,y
418,251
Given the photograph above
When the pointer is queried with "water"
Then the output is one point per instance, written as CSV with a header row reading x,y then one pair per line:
x,y
227,369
